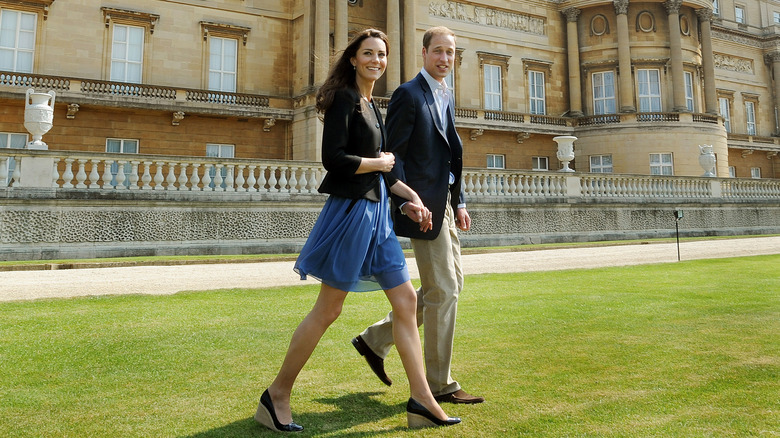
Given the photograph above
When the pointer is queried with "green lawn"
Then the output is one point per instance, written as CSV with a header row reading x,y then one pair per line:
x,y
689,349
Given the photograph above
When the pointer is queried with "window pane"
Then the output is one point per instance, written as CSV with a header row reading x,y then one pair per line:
x,y
130,146
6,59
24,62
118,71
134,73
113,146
120,33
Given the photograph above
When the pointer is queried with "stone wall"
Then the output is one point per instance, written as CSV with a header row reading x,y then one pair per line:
x,y
47,224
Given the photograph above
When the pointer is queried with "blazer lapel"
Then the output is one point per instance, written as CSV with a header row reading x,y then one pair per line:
x,y
431,103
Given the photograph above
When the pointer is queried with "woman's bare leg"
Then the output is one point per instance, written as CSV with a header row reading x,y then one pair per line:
x,y
403,299
304,340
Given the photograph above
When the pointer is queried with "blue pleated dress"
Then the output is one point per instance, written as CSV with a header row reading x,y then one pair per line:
x,y
354,249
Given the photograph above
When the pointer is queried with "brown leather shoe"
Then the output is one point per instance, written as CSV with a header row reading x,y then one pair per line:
x,y
376,363
459,397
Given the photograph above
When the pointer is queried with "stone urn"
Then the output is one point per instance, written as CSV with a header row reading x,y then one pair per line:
x,y
38,116
565,150
707,160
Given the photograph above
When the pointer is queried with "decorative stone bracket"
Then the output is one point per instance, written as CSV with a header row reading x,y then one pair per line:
x,y
268,124
178,116
73,108
746,152
476,133
522,136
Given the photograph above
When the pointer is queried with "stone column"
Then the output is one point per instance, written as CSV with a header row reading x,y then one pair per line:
x,y
393,73
573,49
708,61
773,58
675,44
411,46
321,42
626,82
340,26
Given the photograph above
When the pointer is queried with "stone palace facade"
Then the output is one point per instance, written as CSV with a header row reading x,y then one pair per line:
x,y
641,84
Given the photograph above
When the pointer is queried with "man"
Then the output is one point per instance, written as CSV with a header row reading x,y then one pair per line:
x,y
429,158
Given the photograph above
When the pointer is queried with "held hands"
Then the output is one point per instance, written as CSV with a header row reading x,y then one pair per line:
x,y
417,212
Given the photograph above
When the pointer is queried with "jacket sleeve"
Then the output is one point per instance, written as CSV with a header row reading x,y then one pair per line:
x,y
335,136
400,125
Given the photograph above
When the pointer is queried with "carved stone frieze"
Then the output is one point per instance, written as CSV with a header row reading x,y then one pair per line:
x,y
487,16
739,38
733,63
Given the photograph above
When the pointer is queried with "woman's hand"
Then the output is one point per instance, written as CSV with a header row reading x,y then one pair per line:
x,y
417,212
386,161
383,163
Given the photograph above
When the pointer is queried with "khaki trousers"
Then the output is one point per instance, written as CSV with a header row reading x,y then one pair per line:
x,y
441,276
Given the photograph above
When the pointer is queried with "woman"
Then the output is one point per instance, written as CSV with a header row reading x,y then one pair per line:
x,y
352,246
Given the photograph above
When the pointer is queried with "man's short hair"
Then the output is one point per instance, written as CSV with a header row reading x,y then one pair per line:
x,y
438,30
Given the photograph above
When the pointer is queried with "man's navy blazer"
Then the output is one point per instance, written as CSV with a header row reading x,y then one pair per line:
x,y
425,154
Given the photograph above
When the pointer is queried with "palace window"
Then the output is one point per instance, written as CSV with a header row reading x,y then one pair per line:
x,y
222,64
739,14
121,146
127,54
776,16
219,151
715,7
725,112
129,33
661,164
495,161
604,93
13,141
649,81
732,172
689,91
17,40
224,55
536,92
539,163
755,172
493,93
601,163
750,117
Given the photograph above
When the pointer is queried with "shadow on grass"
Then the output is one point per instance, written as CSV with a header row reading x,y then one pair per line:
x,y
351,410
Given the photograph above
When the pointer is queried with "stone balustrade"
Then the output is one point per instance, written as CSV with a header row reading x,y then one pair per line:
x,y
126,172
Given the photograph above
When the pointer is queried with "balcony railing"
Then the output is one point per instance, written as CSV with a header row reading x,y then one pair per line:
x,y
90,88
128,172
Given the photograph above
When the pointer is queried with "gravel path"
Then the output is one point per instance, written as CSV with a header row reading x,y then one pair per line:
x,y
27,285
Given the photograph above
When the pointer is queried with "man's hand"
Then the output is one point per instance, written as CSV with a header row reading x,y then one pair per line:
x,y
463,219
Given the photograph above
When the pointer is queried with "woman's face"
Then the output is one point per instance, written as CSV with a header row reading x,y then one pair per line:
x,y
370,60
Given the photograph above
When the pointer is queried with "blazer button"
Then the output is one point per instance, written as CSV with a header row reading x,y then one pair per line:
x,y
377,124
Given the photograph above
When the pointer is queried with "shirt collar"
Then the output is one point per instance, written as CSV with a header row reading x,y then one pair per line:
x,y
433,83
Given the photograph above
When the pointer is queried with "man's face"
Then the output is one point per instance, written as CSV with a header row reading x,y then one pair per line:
x,y
439,56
